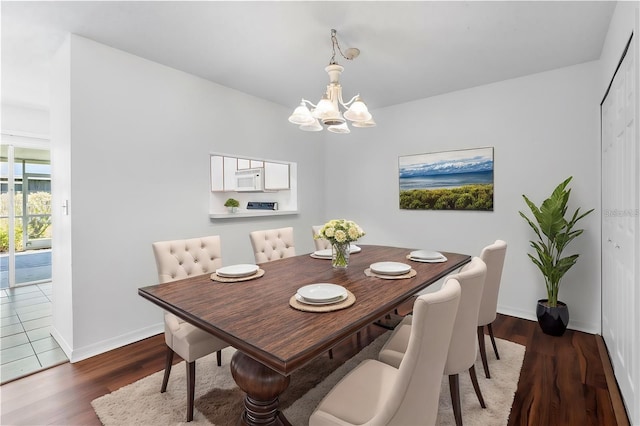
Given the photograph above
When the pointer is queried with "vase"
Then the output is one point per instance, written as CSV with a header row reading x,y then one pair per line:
x,y
340,255
553,320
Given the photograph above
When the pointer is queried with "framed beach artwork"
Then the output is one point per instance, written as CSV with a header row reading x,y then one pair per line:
x,y
449,180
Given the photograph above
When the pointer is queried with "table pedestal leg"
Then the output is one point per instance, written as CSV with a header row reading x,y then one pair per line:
x,y
262,386
390,321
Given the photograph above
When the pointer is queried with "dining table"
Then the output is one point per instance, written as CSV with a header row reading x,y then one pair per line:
x,y
271,336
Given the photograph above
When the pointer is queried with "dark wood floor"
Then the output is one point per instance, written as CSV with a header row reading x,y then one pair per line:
x,y
562,380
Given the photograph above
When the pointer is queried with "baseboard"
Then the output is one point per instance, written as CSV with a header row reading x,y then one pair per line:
x,y
516,313
612,384
573,325
106,345
64,345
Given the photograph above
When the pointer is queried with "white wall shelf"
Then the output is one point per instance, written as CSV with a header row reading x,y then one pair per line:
x,y
252,213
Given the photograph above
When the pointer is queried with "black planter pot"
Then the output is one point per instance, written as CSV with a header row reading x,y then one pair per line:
x,y
553,321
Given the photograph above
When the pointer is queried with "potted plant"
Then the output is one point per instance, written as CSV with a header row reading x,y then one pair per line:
x,y
232,205
554,231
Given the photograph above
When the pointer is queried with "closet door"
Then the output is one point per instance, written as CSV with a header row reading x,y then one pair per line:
x,y
620,228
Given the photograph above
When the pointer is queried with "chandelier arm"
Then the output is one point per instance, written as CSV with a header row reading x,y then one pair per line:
x,y
309,102
346,104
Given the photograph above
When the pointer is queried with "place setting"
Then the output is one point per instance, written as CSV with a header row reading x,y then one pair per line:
x,y
237,273
390,270
322,297
327,253
427,256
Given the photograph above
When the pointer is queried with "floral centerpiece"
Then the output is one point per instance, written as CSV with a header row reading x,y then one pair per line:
x,y
340,233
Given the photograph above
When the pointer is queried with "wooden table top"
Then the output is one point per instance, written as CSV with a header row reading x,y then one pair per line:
x,y
255,317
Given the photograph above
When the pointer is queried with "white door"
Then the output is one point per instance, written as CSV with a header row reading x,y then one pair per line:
x,y
620,226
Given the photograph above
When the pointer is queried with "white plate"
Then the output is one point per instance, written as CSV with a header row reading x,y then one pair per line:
x,y
338,299
390,268
237,271
322,292
438,260
426,255
323,254
327,253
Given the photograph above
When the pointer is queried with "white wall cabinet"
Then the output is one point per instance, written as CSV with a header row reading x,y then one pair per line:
x,y
223,170
217,173
276,176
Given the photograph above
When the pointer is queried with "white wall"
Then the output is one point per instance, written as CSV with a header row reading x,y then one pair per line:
x,y
61,254
25,121
544,128
140,138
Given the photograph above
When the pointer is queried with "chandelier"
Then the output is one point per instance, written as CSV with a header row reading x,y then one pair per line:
x,y
327,110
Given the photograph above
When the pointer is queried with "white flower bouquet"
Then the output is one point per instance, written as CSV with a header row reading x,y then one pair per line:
x,y
339,231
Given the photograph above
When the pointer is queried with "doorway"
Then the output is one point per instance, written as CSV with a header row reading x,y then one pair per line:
x,y
25,255
25,216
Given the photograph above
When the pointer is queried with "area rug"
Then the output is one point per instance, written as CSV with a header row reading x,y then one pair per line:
x,y
219,401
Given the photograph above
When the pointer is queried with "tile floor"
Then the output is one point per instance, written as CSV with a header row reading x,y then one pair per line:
x,y
26,344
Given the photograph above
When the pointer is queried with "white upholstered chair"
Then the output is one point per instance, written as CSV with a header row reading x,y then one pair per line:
x,y
272,244
321,244
463,349
493,256
176,260
375,393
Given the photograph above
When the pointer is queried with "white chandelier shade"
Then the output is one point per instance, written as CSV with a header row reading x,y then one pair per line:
x,y
313,127
301,115
327,111
368,123
339,128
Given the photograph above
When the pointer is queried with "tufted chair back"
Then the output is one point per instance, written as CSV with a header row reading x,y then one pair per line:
x,y
180,259
321,244
272,244
176,260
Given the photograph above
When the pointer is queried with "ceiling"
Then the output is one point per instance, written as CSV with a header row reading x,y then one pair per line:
x,y
278,50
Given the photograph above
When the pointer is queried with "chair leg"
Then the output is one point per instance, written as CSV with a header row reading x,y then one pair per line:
x,y
483,351
191,388
167,369
454,390
493,341
358,340
219,358
474,380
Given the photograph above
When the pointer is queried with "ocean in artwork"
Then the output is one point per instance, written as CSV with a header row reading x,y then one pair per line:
x,y
446,170
445,181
